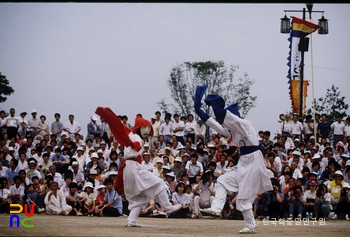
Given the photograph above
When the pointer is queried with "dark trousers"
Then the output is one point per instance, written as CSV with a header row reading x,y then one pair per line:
x,y
11,132
111,211
180,139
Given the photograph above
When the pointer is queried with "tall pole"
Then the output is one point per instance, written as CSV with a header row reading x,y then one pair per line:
x,y
301,87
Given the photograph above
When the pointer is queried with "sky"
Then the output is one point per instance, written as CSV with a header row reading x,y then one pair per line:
x,y
71,58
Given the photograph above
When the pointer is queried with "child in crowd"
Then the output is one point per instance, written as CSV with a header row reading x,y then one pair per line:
x,y
55,201
4,192
310,196
65,187
90,203
32,198
45,165
75,200
17,191
112,205
100,198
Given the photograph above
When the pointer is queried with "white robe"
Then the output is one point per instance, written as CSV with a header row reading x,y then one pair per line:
x,y
250,177
56,204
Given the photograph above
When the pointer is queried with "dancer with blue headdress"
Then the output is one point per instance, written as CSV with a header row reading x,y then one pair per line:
x,y
250,176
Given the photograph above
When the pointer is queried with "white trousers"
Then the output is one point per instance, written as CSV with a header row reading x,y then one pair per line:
x,y
55,210
200,203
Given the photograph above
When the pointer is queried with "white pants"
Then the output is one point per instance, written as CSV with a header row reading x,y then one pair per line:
x,y
200,203
243,205
54,210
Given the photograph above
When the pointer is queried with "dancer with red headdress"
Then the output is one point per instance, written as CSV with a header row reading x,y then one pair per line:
x,y
138,184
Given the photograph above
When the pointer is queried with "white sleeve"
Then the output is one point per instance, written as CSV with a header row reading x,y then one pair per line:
x,y
217,127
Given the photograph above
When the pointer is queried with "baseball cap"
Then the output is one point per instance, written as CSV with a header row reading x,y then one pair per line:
x,y
33,111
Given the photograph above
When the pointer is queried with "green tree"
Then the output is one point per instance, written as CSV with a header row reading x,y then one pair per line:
x,y
220,80
332,104
5,88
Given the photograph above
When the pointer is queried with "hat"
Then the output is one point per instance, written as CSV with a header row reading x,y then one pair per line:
x,y
32,162
312,137
316,156
167,148
313,173
296,153
312,183
103,143
88,185
193,148
345,156
211,145
178,159
33,111
346,185
160,160
75,163
146,145
91,149
100,186
347,163
154,117
167,167
112,172
313,148
93,171
185,155
64,134
307,152
23,112
99,151
80,149
296,140
171,174
11,148
338,172
161,152
146,154
93,117
94,155
97,145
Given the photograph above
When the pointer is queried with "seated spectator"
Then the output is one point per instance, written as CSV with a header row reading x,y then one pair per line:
x,y
315,167
44,166
60,161
32,171
90,202
295,202
180,197
100,198
189,192
78,176
193,168
4,205
17,191
335,189
170,180
56,176
12,170
322,202
158,171
65,187
112,205
177,169
271,202
32,199
55,201
310,196
45,189
204,192
212,167
75,200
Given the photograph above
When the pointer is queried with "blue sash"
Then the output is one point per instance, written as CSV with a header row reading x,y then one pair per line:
x,y
245,150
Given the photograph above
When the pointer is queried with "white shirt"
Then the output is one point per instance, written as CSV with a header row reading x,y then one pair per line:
x,y
297,127
338,128
286,126
200,130
148,167
179,124
347,130
22,166
190,125
166,129
3,171
72,128
11,121
307,129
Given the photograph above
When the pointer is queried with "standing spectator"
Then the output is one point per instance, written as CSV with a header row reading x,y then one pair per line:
x,y
72,127
3,129
200,130
347,127
266,143
155,126
308,128
338,129
324,129
178,129
93,128
34,124
23,123
190,127
57,126
105,132
12,124
286,125
297,128
166,129
45,129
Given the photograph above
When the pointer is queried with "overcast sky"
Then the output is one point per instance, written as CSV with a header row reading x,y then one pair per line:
x,y
71,57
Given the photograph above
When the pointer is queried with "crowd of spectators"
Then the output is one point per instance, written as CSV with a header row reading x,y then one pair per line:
x,y
57,171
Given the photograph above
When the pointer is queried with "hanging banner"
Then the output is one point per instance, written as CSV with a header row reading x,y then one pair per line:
x,y
295,95
300,29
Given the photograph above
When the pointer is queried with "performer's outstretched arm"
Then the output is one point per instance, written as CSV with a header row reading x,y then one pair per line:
x,y
119,131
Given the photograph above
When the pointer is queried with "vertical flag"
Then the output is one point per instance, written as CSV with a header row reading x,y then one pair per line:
x,y
300,29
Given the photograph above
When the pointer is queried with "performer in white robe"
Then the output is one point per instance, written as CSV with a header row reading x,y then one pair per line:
x,y
55,201
250,176
139,185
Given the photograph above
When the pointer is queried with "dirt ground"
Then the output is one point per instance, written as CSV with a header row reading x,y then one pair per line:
x,y
45,225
